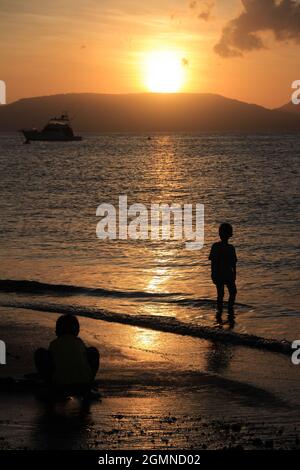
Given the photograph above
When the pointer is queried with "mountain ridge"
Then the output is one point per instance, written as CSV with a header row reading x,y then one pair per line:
x,y
149,112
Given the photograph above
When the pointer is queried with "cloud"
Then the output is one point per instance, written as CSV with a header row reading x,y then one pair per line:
x,y
204,15
243,34
202,8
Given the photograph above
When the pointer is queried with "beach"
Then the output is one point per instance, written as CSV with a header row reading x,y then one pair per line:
x,y
158,390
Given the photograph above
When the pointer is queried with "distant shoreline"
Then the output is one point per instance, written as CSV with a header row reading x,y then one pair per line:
x,y
149,113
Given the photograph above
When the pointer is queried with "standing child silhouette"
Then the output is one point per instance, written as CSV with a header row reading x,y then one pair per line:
x,y
223,267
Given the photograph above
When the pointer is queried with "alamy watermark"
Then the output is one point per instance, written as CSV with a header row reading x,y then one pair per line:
x,y
296,93
2,352
2,92
159,222
296,354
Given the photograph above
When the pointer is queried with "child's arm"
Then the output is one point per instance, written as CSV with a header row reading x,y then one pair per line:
x,y
234,264
234,271
213,262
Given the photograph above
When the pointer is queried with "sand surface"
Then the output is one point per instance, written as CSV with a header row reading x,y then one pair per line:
x,y
159,391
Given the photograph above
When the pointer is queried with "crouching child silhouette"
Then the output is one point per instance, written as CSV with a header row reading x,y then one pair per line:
x,y
223,268
68,366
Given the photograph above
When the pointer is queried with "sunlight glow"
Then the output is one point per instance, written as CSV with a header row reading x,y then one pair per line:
x,y
164,71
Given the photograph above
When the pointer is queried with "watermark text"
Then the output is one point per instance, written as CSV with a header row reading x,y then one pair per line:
x,y
2,92
296,93
159,222
296,354
2,353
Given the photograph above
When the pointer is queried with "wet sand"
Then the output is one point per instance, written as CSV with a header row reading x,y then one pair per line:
x,y
159,391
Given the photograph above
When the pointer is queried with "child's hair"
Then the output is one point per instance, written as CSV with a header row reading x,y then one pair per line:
x,y
67,325
225,231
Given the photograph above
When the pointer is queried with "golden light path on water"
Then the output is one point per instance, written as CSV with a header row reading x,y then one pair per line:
x,y
160,277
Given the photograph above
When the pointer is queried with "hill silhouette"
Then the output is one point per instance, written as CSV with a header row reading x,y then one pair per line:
x,y
291,108
148,112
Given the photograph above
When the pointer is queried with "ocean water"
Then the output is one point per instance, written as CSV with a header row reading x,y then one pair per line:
x,y
49,193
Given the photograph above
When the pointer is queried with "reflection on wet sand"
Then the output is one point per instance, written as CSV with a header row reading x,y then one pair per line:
x,y
62,425
218,357
230,322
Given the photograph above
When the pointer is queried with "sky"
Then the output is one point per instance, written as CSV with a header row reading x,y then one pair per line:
x,y
243,49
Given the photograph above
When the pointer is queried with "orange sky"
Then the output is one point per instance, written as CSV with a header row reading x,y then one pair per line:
x,y
100,46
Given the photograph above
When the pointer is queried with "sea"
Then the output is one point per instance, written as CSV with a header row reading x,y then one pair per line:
x,y
50,253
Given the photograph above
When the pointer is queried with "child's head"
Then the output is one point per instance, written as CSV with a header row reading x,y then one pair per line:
x,y
225,231
67,325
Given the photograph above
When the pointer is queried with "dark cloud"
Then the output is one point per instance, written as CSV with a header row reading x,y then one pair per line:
x,y
242,34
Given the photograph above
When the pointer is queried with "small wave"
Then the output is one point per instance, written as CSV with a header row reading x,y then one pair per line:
x,y
193,303
36,287
41,288
161,323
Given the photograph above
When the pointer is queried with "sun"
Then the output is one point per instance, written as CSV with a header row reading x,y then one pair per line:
x,y
164,71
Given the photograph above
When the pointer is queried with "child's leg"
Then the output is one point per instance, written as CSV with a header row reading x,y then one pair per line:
x,y
232,294
93,359
220,293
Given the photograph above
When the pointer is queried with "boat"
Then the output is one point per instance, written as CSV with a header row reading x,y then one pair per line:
x,y
56,129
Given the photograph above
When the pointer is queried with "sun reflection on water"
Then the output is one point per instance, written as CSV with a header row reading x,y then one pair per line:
x,y
159,278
